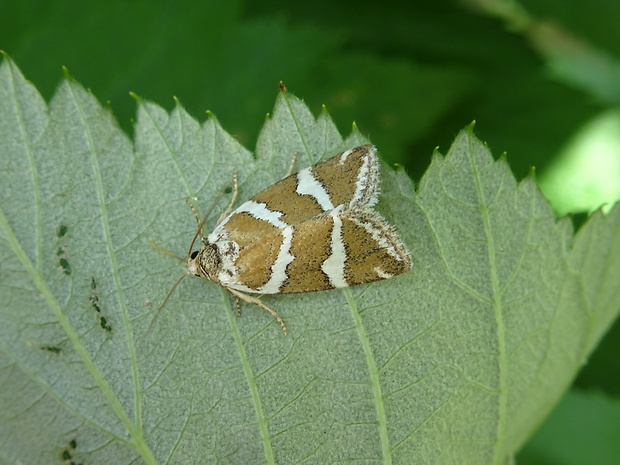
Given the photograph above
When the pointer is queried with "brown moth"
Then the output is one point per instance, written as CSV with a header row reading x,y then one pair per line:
x,y
311,231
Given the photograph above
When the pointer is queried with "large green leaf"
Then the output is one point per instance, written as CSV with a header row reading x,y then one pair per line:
x,y
456,361
582,429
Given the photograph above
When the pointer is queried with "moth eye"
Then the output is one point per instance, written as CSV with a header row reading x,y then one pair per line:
x,y
194,254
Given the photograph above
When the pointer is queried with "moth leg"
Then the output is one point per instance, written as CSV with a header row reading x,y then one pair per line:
x,y
232,201
291,166
256,301
238,306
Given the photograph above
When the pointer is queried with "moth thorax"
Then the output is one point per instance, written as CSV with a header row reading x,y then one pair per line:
x,y
205,262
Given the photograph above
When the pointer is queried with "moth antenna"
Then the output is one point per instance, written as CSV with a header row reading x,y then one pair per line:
x,y
232,200
291,167
198,233
170,254
163,304
202,222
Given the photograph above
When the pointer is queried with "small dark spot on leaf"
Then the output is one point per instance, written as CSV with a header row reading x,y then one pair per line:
x,y
66,268
104,323
62,230
53,349
94,303
66,453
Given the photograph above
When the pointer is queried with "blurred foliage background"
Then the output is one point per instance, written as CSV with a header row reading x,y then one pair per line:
x,y
540,77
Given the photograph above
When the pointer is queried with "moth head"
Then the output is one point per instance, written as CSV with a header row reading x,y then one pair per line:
x,y
204,262
192,264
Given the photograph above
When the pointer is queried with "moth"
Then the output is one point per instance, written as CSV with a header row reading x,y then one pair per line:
x,y
311,231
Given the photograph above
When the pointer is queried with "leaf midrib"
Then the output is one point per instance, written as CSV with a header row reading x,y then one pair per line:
x,y
373,372
502,396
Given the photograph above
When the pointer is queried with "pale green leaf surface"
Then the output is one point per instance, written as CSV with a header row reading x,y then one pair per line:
x,y
456,361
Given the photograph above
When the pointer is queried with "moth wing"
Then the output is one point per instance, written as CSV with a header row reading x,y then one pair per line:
x,y
374,248
286,260
342,248
258,237
350,178
313,230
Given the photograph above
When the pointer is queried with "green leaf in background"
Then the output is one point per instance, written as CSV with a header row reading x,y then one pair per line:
x,y
457,361
586,175
583,429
